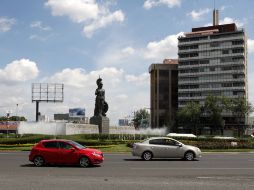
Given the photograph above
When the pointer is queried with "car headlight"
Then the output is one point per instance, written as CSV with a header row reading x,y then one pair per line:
x,y
96,154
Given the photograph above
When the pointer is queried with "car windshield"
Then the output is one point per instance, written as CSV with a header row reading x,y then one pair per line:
x,y
77,144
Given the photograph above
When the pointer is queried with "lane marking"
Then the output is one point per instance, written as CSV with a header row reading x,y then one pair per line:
x,y
192,168
13,153
226,178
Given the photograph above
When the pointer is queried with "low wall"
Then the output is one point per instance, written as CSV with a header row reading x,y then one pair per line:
x,y
49,128
122,130
73,128
56,128
62,128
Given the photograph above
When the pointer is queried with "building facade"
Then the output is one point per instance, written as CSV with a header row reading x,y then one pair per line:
x,y
163,93
212,61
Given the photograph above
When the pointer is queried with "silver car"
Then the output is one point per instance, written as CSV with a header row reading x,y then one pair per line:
x,y
164,147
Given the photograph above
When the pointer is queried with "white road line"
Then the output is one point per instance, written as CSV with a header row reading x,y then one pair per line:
x,y
192,168
226,178
13,153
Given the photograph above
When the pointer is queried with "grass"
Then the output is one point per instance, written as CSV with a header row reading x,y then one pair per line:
x,y
108,148
228,150
28,147
116,148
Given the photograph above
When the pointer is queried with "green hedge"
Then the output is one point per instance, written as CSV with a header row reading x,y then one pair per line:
x,y
213,144
112,139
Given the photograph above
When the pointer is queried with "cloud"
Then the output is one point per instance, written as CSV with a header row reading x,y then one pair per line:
x,y
128,51
116,56
79,78
102,22
124,92
137,58
197,15
165,48
72,77
6,23
37,37
148,4
228,20
77,10
250,46
19,71
39,25
87,12
143,79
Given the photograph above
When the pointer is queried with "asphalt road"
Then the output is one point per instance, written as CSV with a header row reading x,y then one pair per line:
x,y
214,171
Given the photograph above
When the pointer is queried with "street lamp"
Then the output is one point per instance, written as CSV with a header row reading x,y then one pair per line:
x,y
7,131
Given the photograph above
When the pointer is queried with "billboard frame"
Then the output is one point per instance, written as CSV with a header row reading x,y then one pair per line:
x,y
47,92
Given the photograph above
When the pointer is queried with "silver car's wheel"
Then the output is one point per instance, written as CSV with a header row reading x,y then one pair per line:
x,y
189,156
38,161
147,156
84,162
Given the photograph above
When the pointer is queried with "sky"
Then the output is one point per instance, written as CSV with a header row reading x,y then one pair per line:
x,y
75,41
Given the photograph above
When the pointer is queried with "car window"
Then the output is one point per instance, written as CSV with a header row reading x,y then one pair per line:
x,y
170,142
157,141
52,144
65,145
77,144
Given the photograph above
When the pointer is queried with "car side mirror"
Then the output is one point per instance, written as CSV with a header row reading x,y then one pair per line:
x,y
180,145
72,149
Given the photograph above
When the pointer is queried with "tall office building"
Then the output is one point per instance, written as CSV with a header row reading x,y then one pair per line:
x,y
163,93
212,60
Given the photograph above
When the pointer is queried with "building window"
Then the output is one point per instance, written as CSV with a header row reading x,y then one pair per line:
x,y
237,51
225,51
237,42
215,44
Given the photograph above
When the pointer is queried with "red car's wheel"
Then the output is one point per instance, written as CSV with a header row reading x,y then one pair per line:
x,y
38,161
84,162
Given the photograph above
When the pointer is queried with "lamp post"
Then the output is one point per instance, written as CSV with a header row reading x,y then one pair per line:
x,y
7,122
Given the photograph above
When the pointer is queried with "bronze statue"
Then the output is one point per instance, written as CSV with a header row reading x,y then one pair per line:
x,y
101,106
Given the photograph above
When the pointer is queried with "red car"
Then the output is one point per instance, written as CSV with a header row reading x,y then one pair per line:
x,y
64,152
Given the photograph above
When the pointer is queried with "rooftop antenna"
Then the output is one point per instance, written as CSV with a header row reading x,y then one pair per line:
x,y
215,16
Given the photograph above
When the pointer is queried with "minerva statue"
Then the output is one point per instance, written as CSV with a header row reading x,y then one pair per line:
x,y
101,106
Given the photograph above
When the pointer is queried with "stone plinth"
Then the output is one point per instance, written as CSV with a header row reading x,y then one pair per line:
x,y
102,122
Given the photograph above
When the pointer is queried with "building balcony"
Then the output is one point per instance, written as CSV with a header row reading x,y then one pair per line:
x,y
210,81
211,56
200,98
211,73
200,49
180,66
240,37
212,89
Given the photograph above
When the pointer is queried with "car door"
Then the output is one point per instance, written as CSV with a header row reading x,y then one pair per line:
x,y
68,153
157,147
50,152
171,149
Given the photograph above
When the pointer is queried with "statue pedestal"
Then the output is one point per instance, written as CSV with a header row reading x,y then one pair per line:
x,y
102,122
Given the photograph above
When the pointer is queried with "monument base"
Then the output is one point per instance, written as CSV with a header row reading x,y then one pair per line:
x,y
102,122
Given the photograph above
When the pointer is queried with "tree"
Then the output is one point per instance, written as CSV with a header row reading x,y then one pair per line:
x,y
213,108
240,108
189,116
141,118
13,118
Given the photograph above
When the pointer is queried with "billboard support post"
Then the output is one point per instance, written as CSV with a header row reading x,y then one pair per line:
x,y
37,111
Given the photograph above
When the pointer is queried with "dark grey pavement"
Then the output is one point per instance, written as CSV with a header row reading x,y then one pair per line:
x,y
213,171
